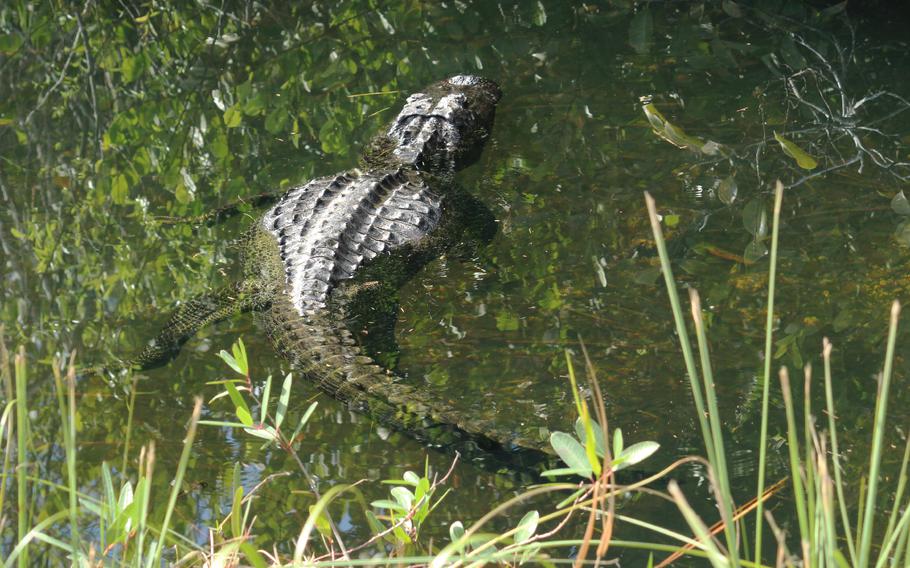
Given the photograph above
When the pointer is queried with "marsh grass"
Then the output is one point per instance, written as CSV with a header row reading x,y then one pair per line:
x,y
822,536
134,528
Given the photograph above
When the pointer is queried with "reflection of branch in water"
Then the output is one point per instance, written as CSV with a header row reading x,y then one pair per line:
x,y
834,124
841,123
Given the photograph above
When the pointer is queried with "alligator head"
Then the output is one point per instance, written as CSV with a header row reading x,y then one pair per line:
x,y
444,127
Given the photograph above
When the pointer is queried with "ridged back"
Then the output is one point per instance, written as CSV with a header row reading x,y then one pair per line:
x,y
329,227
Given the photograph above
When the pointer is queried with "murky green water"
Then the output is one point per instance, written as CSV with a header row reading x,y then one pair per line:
x,y
194,108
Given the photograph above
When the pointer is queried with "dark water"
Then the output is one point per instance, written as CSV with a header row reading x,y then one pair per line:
x,y
196,108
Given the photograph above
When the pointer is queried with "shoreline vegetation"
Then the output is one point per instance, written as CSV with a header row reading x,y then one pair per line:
x,y
123,522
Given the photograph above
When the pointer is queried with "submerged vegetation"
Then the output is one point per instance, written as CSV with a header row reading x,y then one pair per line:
x,y
118,123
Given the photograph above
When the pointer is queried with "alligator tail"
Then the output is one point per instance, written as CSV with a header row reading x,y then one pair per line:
x,y
321,347
189,318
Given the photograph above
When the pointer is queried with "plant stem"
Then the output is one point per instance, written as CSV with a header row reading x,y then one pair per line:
x,y
155,558
796,473
835,453
680,324
878,434
21,455
766,378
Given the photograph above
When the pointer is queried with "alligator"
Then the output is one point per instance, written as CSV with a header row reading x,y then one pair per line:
x,y
322,268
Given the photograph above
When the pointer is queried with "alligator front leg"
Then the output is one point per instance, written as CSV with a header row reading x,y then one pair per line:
x,y
189,318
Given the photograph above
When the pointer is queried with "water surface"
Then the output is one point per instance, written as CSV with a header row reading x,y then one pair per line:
x,y
178,113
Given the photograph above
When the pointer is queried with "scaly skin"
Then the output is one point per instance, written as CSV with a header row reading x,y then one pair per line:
x,y
336,250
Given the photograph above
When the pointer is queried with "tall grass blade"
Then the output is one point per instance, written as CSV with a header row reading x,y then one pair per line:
x,y
22,436
717,527
315,512
719,459
20,552
680,324
809,461
143,495
715,556
68,415
71,453
902,527
899,494
835,452
826,497
129,425
766,377
796,471
878,433
155,557
6,421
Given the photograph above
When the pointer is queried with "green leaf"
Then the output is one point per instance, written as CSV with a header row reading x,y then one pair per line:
x,y
900,204
222,424
803,160
403,496
727,190
527,526
755,218
142,488
107,482
390,505
376,527
617,443
120,189
590,443
456,531
126,495
252,555
412,478
131,68
322,523
540,14
266,393
10,43
264,432
276,120
598,435
232,117
239,351
306,417
586,472
506,321
240,407
282,409
571,453
232,363
219,145
236,513
636,453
